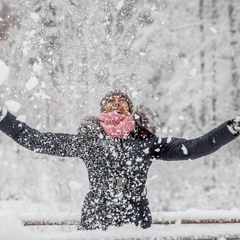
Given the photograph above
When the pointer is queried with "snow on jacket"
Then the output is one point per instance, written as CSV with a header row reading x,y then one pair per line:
x,y
117,168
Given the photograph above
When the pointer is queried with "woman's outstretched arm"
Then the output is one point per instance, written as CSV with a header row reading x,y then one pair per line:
x,y
59,144
173,149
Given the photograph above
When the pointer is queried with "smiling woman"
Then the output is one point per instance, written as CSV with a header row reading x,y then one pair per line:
x,y
117,104
118,147
117,101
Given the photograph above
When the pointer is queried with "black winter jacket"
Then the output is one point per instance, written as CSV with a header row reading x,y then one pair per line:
x,y
117,168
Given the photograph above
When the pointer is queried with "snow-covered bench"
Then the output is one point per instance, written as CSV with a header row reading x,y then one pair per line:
x,y
191,216
192,224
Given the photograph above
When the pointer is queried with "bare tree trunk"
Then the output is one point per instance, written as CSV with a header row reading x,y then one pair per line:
x,y
202,55
4,20
202,35
234,33
214,59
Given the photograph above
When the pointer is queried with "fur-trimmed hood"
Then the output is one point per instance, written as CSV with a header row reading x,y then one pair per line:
x,y
145,127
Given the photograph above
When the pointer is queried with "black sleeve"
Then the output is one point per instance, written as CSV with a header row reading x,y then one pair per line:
x,y
58,144
172,149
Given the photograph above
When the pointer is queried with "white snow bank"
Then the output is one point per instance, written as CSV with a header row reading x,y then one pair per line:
x,y
13,215
132,232
197,214
4,71
11,226
163,217
171,231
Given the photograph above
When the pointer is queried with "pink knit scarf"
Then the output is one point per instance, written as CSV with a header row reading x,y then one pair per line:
x,y
116,125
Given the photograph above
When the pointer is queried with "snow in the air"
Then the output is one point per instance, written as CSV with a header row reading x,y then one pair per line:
x,y
32,83
22,118
37,68
184,149
120,4
180,60
34,16
214,30
4,72
12,105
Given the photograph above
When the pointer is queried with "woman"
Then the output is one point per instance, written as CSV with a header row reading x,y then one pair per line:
x,y
117,147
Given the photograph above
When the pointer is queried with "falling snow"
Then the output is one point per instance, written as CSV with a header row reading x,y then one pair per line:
x,y
184,149
4,70
13,105
32,83
214,30
120,5
59,59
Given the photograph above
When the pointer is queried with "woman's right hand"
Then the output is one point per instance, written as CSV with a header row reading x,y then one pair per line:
x,y
236,123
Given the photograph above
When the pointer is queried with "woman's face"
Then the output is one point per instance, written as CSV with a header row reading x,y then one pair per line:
x,y
117,104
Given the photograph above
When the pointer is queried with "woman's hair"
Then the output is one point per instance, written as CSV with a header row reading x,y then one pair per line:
x,y
120,93
144,120
91,127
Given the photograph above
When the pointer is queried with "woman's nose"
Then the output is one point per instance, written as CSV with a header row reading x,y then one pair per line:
x,y
116,103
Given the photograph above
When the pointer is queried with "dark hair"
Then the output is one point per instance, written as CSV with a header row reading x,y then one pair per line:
x,y
116,93
144,119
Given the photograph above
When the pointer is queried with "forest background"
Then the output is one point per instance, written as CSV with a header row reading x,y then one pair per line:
x,y
181,59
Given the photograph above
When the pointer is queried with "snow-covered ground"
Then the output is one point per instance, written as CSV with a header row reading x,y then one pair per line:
x,y
13,214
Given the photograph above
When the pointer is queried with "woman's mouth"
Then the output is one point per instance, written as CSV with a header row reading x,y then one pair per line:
x,y
117,111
